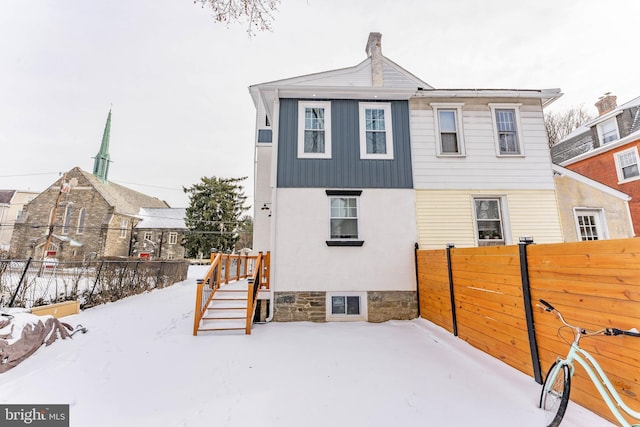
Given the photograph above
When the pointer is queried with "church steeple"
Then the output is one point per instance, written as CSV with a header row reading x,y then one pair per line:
x,y
101,164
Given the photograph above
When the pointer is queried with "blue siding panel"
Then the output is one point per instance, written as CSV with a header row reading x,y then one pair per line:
x,y
344,169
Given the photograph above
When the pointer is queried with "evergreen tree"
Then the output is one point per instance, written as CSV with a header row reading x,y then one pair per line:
x,y
213,215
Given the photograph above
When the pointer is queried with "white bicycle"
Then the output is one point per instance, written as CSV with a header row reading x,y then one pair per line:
x,y
557,385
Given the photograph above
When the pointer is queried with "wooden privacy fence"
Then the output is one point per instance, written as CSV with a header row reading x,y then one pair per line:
x,y
487,296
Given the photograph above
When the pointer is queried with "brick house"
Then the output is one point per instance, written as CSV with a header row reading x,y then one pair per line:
x,y
605,149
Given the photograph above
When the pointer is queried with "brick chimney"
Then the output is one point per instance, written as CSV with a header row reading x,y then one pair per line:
x,y
374,51
606,103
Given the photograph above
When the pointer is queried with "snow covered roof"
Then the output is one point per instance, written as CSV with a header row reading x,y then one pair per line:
x,y
162,218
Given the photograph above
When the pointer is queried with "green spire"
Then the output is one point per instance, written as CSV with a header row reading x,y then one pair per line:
x,y
101,164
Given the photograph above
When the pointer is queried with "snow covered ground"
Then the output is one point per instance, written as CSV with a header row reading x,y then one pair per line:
x,y
140,365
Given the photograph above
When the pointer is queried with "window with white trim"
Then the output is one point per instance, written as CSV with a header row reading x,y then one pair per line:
x,y
314,130
627,164
346,306
376,130
489,223
590,224
608,131
506,127
448,125
124,225
148,235
173,238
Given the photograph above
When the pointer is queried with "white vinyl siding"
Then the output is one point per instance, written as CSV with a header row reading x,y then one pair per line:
x,y
480,168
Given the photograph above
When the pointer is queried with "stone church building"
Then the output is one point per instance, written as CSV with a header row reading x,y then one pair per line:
x,y
82,215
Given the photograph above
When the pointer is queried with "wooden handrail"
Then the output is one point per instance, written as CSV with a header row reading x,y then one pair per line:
x,y
258,279
212,279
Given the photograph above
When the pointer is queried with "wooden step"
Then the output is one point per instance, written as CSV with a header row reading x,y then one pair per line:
x,y
223,324
228,304
225,313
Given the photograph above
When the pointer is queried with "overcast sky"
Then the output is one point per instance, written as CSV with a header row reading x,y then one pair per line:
x,y
177,82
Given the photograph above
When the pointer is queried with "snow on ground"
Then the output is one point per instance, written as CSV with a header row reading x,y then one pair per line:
x,y
140,365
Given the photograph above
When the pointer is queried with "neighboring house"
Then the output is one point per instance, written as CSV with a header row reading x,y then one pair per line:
x,y
590,210
605,149
81,215
11,205
159,233
481,167
356,165
334,191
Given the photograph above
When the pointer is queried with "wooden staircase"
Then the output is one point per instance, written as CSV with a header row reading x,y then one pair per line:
x,y
227,311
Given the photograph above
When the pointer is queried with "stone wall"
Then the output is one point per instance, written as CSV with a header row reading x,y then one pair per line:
x,y
311,306
300,307
392,305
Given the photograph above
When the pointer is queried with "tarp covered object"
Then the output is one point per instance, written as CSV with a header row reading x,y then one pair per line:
x,y
21,334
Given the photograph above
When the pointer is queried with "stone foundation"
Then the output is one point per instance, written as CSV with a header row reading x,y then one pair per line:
x,y
299,307
392,305
311,306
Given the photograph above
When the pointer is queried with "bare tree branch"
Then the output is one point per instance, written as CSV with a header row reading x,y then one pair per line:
x,y
561,124
257,13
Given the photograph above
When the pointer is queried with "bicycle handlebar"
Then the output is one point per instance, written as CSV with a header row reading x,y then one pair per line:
x,y
607,331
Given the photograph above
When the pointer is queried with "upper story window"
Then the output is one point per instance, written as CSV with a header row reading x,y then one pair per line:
x,y
376,132
148,235
81,219
608,131
67,218
173,238
314,130
627,164
506,120
448,125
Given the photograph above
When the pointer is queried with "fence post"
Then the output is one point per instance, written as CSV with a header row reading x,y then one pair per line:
x,y
454,321
15,294
96,282
528,308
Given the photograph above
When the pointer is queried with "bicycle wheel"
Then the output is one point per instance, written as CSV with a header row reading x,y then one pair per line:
x,y
555,396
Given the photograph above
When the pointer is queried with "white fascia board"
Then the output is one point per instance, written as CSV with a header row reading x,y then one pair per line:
x,y
590,182
602,149
341,92
546,95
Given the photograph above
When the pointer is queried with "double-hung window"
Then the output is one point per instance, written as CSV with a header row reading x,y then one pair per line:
x,y
506,119
489,222
343,218
376,132
448,125
608,131
148,235
314,130
627,164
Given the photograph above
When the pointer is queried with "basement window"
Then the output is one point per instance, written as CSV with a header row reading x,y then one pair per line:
x,y
346,306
